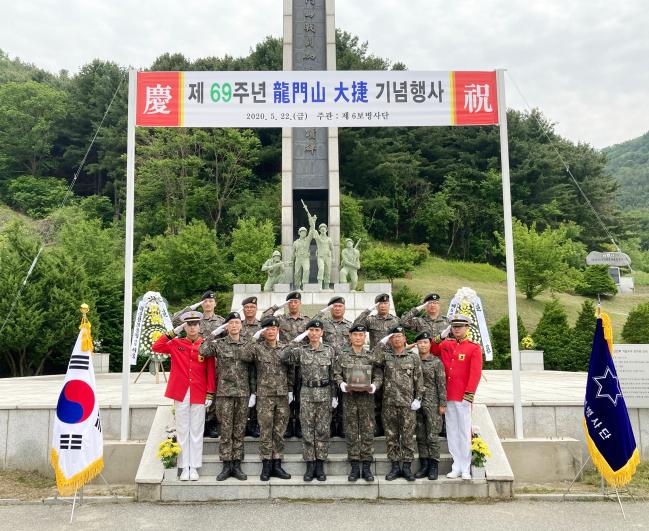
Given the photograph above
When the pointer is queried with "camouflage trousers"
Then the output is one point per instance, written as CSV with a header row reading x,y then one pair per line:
x,y
429,424
232,412
272,413
358,415
399,423
315,418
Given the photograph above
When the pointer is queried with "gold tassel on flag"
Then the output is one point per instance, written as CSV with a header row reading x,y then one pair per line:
x,y
85,327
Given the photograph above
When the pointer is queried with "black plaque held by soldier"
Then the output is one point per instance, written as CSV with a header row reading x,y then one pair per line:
x,y
361,379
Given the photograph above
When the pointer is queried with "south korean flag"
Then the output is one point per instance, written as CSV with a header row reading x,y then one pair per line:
x,y
77,441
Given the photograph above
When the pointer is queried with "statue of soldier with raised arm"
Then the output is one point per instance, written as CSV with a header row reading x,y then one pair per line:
x,y
302,253
324,252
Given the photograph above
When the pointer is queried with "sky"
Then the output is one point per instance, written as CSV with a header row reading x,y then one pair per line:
x,y
584,63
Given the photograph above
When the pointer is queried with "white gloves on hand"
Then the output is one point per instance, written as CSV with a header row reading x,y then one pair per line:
x,y
343,387
179,329
208,402
219,330
445,332
290,397
372,389
258,333
196,305
422,306
280,306
328,308
252,400
385,340
334,403
416,404
373,307
300,337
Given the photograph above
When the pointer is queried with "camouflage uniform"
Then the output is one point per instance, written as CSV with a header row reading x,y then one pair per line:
x,y
318,387
271,387
413,321
402,383
359,407
429,421
232,393
247,331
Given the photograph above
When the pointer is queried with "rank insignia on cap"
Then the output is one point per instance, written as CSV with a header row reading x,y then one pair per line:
x,y
249,300
432,297
209,294
422,336
270,321
383,297
397,330
294,295
232,315
336,300
358,328
314,323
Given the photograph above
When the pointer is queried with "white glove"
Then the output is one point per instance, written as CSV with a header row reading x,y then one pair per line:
x,y
179,329
422,306
219,330
196,305
385,340
328,308
373,307
208,402
258,333
343,387
290,397
372,389
416,404
252,400
300,337
280,306
445,332
334,403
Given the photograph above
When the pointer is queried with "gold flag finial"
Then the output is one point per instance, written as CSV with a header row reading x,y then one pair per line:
x,y
85,327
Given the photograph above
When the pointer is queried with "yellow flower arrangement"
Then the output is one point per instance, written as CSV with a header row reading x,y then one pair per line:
x,y
168,451
528,343
479,451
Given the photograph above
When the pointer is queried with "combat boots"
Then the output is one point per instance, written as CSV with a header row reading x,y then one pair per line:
x,y
235,470
395,471
432,469
367,471
289,429
406,472
297,429
355,473
319,470
423,471
265,470
226,471
277,470
310,471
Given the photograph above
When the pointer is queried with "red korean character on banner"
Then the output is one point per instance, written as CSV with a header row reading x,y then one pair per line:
x,y
159,99
475,98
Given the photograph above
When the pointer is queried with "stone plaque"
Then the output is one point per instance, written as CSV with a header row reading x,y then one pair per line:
x,y
632,365
360,378
609,258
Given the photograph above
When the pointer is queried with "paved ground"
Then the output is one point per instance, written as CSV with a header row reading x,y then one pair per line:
x,y
495,389
548,516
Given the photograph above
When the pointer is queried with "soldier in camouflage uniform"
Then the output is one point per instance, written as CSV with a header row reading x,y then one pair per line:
x,y
433,407
378,326
290,326
318,395
336,334
431,322
208,324
403,388
359,406
250,326
232,394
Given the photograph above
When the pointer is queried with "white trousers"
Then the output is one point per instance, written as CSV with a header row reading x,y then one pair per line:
x,y
458,434
190,424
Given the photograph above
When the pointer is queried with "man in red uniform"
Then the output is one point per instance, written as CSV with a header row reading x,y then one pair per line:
x,y
191,385
462,361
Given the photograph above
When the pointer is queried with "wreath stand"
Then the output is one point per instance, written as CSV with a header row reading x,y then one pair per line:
x,y
159,366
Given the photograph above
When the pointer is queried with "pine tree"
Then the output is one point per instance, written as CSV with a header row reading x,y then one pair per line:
x,y
581,339
500,342
552,334
636,328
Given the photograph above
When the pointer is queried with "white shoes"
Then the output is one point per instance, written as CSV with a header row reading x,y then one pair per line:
x,y
453,474
184,475
466,475
193,475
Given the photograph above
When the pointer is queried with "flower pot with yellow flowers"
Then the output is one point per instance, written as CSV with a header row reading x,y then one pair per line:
x,y
479,454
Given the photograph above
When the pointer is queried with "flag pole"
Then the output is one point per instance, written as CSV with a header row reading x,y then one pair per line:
x,y
128,252
509,257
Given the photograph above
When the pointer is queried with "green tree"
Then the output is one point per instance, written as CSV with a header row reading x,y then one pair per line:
x,y
383,261
405,299
252,244
636,327
351,218
596,281
499,335
580,343
552,335
36,196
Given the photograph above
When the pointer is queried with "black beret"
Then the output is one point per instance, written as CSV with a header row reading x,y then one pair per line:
x,y
314,323
209,294
383,297
232,315
397,330
358,328
337,300
431,297
294,295
249,300
423,335
270,321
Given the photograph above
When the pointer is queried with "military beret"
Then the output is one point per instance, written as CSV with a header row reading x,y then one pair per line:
x,y
358,328
397,330
232,315
461,319
209,294
249,300
191,317
270,321
423,335
383,297
314,323
431,297
301,229
294,295
336,300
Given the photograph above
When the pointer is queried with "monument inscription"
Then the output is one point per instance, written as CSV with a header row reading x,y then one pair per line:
x,y
632,365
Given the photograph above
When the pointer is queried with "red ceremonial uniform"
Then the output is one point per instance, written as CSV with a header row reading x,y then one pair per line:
x,y
187,371
463,364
